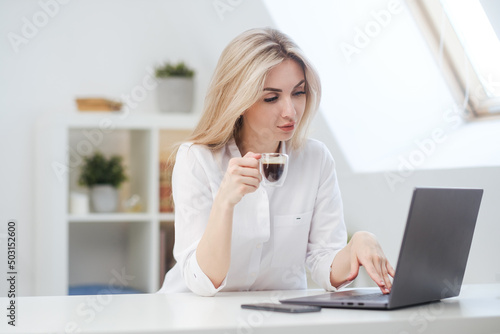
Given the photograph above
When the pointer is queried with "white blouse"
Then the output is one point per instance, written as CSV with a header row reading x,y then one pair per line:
x,y
276,230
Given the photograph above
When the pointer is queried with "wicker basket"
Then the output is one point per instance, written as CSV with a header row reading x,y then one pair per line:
x,y
97,104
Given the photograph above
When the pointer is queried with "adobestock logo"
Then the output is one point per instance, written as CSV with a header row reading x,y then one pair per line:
x,y
372,29
223,6
31,28
490,85
426,147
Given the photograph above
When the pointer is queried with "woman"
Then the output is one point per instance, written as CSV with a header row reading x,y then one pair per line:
x,y
234,233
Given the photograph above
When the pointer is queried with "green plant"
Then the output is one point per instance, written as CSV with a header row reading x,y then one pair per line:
x,y
97,169
174,70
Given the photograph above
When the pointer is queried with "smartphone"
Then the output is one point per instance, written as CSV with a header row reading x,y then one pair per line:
x,y
287,308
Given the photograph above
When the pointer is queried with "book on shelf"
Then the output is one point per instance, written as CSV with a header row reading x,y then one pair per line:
x,y
166,199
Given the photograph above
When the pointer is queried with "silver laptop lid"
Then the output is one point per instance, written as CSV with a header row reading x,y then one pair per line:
x,y
435,245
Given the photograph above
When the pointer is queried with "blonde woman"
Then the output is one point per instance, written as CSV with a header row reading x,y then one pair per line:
x,y
233,233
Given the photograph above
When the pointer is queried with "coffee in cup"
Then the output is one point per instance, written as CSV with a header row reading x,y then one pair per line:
x,y
273,167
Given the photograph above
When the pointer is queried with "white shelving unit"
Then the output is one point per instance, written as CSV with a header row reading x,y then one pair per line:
x,y
93,248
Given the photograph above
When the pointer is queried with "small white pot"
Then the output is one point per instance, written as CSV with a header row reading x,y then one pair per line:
x,y
175,94
104,198
79,203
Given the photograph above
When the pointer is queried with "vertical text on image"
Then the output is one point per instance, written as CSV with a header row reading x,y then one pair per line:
x,y
11,273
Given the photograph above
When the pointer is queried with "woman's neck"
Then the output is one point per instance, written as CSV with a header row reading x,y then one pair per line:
x,y
246,145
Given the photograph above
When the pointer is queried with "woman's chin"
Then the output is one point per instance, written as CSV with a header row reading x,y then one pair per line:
x,y
286,136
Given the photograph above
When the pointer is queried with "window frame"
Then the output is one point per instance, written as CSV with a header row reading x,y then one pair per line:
x,y
457,69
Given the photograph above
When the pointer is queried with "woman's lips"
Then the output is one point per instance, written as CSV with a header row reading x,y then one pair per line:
x,y
287,127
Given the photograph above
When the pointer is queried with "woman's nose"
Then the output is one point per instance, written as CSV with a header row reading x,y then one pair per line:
x,y
288,110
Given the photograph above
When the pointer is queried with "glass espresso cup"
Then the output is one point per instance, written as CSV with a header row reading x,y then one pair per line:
x,y
273,167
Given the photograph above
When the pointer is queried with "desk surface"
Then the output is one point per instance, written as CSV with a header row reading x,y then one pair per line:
x,y
476,310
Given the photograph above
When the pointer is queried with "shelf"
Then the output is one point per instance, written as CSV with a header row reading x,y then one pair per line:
x,y
107,121
110,218
166,216
87,249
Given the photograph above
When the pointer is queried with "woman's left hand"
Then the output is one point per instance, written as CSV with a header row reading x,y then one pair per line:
x,y
366,251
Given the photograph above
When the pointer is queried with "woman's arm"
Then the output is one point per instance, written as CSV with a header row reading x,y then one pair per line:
x,y
214,249
362,250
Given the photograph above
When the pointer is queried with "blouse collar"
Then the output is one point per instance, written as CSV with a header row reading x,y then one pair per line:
x,y
234,151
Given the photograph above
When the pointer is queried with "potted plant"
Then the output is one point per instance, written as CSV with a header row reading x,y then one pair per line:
x,y
103,176
175,87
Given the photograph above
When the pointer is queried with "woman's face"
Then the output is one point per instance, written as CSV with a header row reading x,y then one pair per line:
x,y
277,113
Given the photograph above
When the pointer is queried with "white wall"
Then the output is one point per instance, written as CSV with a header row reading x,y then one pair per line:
x,y
93,47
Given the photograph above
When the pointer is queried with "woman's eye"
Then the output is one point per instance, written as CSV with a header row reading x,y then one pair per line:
x,y
299,93
271,99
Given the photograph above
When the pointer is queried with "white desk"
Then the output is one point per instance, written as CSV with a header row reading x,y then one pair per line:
x,y
476,311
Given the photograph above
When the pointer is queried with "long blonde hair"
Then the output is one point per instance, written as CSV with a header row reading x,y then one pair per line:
x,y
238,82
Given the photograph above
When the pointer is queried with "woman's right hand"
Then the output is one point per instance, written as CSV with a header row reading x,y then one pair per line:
x,y
242,177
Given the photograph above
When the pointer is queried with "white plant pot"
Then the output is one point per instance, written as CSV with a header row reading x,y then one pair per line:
x,y
175,94
104,198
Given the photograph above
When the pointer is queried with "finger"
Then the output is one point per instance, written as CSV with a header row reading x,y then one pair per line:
x,y
244,162
375,276
385,276
250,172
390,269
239,170
382,271
248,162
252,155
379,265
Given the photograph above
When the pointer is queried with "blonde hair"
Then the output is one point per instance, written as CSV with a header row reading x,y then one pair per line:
x,y
238,82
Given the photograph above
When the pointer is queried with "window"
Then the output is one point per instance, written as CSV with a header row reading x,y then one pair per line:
x,y
467,49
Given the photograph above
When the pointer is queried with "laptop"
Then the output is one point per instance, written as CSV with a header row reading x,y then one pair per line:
x,y
432,258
